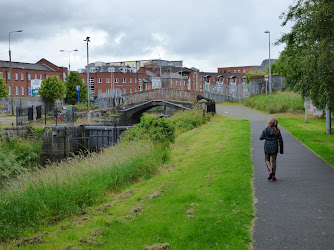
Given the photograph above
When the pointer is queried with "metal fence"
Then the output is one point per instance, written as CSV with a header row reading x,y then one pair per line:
x,y
24,115
224,92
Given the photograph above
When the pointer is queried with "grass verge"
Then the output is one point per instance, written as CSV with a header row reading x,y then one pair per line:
x,y
201,200
277,102
313,135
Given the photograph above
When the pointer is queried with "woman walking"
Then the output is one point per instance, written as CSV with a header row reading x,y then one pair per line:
x,y
273,143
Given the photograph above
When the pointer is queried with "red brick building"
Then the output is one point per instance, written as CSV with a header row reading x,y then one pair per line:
x,y
106,79
23,73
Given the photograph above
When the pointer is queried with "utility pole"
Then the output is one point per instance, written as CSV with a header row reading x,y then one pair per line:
x,y
10,72
88,85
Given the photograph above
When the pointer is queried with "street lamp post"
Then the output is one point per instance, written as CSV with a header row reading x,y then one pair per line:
x,y
10,72
268,32
69,58
88,87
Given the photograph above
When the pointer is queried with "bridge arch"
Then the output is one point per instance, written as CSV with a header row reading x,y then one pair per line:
x,y
132,115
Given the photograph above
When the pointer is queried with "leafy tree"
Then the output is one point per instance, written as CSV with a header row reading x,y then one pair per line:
x,y
307,62
52,89
73,80
3,88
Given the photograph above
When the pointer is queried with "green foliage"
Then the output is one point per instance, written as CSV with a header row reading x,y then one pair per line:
x,y
276,102
187,120
307,62
253,73
52,89
50,194
160,131
73,80
3,88
18,155
38,131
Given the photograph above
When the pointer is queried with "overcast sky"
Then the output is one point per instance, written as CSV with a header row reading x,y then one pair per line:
x,y
205,34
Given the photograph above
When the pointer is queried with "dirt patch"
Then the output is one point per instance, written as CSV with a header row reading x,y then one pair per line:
x,y
109,204
127,217
79,221
97,232
91,241
193,204
191,211
157,246
191,217
26,241
136,209
154,195
126,195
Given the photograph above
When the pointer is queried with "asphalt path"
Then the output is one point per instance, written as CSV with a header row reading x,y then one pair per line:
x,y
296,211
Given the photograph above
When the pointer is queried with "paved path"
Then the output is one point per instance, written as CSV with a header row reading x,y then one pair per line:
x,y
296,211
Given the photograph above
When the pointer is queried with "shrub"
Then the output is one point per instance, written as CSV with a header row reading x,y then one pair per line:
x,y
160,131
18,155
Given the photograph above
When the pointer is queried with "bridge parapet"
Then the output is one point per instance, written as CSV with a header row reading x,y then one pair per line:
x,y
161,94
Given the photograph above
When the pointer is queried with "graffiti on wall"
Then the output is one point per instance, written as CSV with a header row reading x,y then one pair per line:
x,y
311,108
5,105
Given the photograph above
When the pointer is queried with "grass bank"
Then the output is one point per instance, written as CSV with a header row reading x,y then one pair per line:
x,y
277,102
313,135
48,195
201,200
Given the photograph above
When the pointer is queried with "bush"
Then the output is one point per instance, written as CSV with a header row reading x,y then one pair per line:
x,y
161,131
18,155
187,120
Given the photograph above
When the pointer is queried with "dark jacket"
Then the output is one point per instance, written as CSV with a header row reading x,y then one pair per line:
x,y
272,140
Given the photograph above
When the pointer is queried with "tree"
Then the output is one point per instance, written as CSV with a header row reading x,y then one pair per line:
x,y
52,89
3,88
73,80
307,62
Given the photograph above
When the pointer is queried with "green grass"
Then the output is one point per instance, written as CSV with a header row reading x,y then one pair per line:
x,y
50,194
277,102
204,200
313,135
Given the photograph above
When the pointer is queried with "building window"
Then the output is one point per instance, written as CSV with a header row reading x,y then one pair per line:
x,y
9,90
99,92
234,71
8,75
29,77
108,91
124,80
40,77
116,79
99,80
130,91
22,90
124,91
244,71
16,76
135,80
130,80
22,76
238,70
17,90
1,75
35,76
108,80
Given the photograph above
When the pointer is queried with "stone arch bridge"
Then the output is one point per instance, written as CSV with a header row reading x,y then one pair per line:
x,y
137,103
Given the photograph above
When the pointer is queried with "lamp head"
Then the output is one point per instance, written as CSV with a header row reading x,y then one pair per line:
x,y
267,31
19,31
62,50
75,50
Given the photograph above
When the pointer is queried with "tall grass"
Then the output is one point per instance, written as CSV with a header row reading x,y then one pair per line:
x,y
187,120
51,194
280,101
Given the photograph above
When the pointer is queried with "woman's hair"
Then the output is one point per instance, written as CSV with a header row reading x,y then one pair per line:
x,y
273,124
